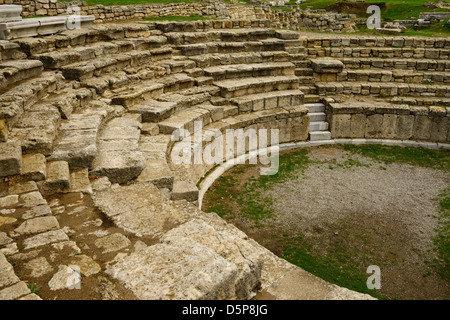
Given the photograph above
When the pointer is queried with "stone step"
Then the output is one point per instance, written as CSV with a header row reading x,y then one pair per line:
x,y
324,40
77,139
60,58
25,94
185,120
10,159
185,190
105,64
176,65
404,76
308,89
157,171
37,127
230,35
268,100
419,101
11,51
236,88
318,126
397,64
303,72
217,59
37,130
315,107
83,37
317,116
312,98
383,89
18,70
319,135
380,52
231,47
250,70
118,157
306,80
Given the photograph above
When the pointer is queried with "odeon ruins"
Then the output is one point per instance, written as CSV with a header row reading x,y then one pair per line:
x,y
88,105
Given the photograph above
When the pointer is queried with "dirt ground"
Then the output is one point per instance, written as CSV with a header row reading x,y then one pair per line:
x,y
379,214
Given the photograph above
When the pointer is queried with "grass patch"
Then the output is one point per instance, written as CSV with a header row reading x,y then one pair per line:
x,y
250,203
414,156
442,239
34,288
335,267
281,9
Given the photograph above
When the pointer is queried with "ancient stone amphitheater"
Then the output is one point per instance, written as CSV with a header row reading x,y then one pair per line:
x,y
86,119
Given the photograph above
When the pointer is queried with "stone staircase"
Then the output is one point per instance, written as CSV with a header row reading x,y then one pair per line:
x,y
318,127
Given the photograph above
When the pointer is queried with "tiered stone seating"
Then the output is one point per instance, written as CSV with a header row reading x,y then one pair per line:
x,y
106,101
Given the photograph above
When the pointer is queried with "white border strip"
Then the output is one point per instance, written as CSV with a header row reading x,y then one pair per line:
x,y
213,176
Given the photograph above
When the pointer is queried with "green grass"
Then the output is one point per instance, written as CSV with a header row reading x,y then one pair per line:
x,y
281,9
178,18
251,203
335,267
395,9
442,239
439,29
34,288
414,156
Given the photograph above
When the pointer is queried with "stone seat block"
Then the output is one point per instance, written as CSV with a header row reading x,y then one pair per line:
x,y
236,88
268,100
327,65
250,70
18,70
10,159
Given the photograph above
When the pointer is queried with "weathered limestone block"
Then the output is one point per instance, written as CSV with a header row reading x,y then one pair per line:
x,y
58,178
389,126
439,124
231,247
299,128
142,209
34,167
45,238
10,159
119,166
374,127
37,225
196,272
184,190
79,181
341,125
422,127
9,201
357,125
404,127
3,131
327,65
15,291
7,276
23,187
